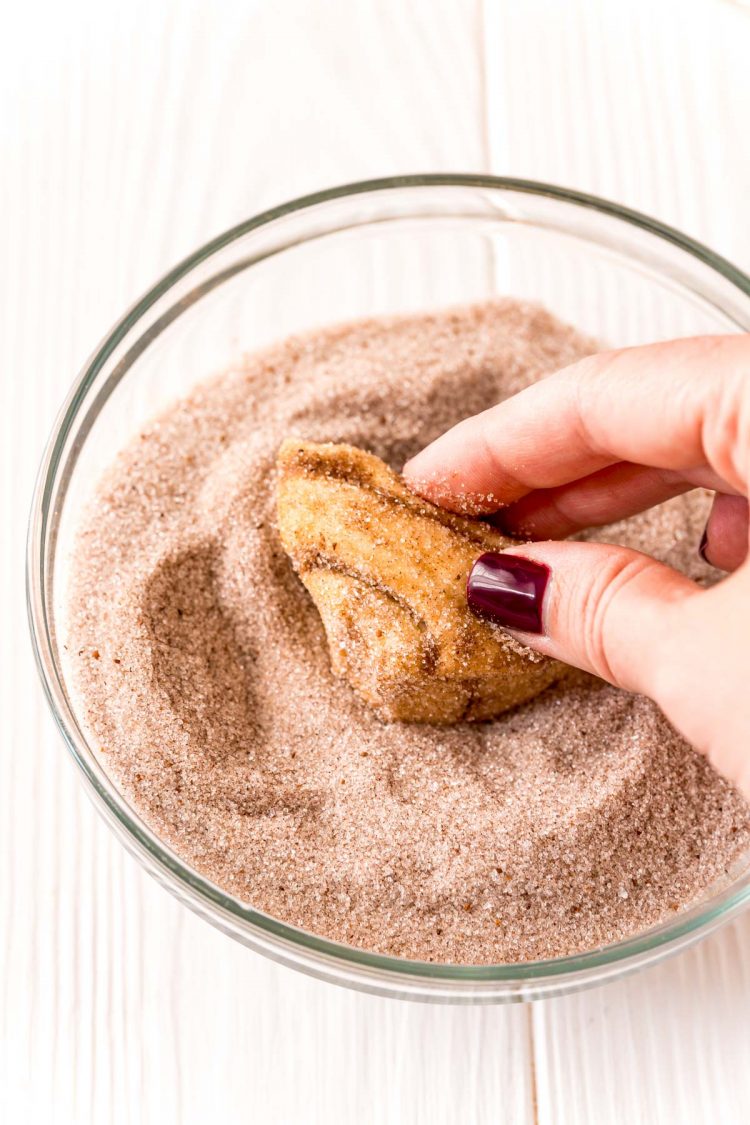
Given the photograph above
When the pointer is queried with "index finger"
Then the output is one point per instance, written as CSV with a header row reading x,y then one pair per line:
x,y
655,405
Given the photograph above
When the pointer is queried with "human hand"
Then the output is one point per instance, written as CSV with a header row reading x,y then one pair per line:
x,y
598,441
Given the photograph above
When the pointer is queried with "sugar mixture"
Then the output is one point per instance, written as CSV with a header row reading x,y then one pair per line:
x,y
202,675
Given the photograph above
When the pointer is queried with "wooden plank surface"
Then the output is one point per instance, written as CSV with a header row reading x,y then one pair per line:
x,y
645,104
129,134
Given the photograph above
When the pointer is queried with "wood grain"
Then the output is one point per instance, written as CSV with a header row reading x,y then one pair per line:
x,y
643,104
131,133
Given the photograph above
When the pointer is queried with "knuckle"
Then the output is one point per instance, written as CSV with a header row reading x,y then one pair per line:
x,y
598,626
725,429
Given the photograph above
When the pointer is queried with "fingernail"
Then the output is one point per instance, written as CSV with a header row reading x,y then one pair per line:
x,y
703,547
508,590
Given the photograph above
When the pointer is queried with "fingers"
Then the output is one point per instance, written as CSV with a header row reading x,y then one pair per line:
x,y
702,685
665,405
639,625
613,493
725,542
602,608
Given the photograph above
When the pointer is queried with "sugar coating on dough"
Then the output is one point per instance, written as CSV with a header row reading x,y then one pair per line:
x,y
387,572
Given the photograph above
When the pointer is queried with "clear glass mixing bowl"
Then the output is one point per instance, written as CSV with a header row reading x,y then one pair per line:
x,y
387,246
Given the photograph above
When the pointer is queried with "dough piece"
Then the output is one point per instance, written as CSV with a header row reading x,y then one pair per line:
x,y
387,572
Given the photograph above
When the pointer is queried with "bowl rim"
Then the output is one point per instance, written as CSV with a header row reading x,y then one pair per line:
x,y
290,944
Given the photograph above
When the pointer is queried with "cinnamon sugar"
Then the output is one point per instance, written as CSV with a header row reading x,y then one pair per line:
x,y
201,672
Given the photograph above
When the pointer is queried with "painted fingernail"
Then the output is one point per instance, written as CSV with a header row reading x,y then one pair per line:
x,y
703,546
508,590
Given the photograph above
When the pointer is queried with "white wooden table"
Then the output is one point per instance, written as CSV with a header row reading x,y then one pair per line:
x,y
129,134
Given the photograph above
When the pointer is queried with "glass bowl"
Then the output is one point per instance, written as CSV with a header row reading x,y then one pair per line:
x,y
387,246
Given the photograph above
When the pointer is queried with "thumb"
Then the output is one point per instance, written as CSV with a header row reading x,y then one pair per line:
x,y
638,624
602,608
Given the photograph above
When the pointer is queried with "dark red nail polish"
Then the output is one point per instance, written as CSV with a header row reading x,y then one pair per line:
x,y
508,590
703,547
